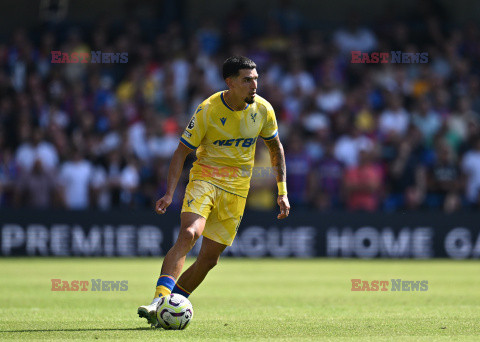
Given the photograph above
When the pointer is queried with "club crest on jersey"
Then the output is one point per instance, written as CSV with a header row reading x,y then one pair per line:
x,y
191,124
223,121
254,116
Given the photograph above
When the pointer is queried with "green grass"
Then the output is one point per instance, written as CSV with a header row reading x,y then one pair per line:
x,y
246,300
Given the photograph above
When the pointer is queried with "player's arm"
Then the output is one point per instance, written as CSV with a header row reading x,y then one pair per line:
x,y
174,172
277,157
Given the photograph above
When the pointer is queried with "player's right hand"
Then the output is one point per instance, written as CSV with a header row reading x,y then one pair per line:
x,y
162,204
284,205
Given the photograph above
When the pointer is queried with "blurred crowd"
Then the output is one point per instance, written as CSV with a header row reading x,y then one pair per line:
x,y
368,137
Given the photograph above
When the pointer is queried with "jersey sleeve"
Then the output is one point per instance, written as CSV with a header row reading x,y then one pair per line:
x,y
270,129
195,131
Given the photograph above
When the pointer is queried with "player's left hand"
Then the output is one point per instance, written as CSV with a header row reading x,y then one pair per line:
x,y
284,205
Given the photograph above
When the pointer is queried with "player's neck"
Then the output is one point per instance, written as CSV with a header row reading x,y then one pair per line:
x,y
234,103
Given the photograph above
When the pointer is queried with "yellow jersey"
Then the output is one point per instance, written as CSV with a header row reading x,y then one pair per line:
x,y
225,141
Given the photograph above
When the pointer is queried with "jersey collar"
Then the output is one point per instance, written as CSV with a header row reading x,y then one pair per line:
x,y
226,105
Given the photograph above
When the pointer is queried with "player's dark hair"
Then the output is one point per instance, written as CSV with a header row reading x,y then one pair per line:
x,y
232,65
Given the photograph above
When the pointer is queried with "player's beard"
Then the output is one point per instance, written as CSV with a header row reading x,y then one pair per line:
x,y
249,99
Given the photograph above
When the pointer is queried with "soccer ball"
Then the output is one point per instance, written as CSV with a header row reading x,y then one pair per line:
x,y
174,312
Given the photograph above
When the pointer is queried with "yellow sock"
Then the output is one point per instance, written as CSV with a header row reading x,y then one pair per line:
x,y
165,285
162,291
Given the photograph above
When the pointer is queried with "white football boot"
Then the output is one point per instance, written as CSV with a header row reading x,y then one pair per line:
x,y
149,312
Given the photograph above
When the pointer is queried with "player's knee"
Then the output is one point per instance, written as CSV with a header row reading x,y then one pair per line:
x,y
189,235
209,262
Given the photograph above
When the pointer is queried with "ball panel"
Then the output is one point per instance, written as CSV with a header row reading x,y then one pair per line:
x,y
174,312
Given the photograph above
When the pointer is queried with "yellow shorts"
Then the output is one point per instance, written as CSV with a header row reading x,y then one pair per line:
x,y
223,210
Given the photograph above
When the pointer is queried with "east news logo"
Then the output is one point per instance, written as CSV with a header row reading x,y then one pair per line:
x,y
394,57
92,57
383,285
83,285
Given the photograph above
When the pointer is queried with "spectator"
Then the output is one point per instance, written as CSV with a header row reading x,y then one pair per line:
x,y
208,37
327,181
363,184
298,167
330,99
36,187
444,180
354,37
394,119
406,173
75,180
471,169
289,17
100,189
9,173
462,117
426,120
38,149
347,147
297,77
129,181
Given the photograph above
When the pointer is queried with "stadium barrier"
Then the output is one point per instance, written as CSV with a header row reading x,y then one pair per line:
x,y
304,234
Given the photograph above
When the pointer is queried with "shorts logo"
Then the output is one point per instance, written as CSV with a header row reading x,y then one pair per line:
x,y
223,121
191,124
189,202
253,117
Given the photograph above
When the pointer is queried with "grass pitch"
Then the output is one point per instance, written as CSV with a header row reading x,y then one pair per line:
x,y
246,300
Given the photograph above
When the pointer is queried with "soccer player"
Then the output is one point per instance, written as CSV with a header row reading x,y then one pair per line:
x,y
224,132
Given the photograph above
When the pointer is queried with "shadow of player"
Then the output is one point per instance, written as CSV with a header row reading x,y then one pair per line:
x,y
92,329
